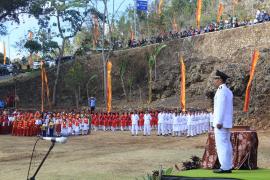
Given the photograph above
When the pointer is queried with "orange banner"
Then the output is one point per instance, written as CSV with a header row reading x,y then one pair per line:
x,y
30,35
44,80
109,86
160,5
174,25
255,58
42,88
5,54
220,11
183,85
131,34
95,31
198,13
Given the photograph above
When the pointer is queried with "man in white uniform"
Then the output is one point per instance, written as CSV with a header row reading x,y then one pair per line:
x,y
160,123
223,116
147,127
134,124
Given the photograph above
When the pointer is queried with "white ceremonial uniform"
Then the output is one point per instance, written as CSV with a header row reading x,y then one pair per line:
x,y
147,127
134,124
160,123
223,114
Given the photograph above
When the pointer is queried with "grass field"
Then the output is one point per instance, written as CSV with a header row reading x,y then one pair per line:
x,y
106,156
259,174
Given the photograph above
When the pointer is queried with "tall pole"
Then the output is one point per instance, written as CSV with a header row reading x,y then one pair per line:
x,y
135,11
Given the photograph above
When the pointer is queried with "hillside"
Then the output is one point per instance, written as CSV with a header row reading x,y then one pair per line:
x,y
228,50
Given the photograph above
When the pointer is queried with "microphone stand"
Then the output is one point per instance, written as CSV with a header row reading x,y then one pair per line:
x,y
43,160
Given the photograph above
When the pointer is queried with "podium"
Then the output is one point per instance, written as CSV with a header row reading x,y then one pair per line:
x,y
245,146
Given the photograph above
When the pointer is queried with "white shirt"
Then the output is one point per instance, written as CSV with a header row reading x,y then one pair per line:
x,y
223,107
147,118
134,119
160,118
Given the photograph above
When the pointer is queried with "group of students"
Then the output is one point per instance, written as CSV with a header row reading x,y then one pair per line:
x,y
44,124
164,122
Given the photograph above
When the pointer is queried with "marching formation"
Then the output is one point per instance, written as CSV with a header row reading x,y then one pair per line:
x,y
165,123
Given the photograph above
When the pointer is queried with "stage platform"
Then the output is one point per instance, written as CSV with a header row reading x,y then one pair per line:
x,y
200,174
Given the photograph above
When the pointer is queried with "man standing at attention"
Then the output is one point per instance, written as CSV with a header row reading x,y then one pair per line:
x,y
223,117
134,121
147,126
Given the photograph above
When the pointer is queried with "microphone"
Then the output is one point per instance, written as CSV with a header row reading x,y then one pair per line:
x,y
60,140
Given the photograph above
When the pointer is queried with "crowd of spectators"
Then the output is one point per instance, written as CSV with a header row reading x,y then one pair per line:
x,y
231,22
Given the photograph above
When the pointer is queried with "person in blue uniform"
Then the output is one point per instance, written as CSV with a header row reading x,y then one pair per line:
x,y
223,122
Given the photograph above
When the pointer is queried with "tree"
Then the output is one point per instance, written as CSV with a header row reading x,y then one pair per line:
x,y
11,10
65,20
49,47
75,80
123,67
33,46
152,60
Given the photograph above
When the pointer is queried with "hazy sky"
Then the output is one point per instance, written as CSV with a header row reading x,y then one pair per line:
x,y
18,32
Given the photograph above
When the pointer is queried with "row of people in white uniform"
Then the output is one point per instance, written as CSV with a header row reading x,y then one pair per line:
x,y
175,124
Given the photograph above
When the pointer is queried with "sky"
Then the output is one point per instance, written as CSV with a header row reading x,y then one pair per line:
x,y
17,32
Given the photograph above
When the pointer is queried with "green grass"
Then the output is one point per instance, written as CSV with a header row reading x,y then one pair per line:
x,y
259,174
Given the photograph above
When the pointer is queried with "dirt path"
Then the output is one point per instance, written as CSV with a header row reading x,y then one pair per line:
x,y
105,155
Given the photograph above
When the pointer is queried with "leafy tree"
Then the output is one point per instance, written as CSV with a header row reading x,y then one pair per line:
x,y
152,60
123,68
49,47
11,9
75,80
65,19
33,46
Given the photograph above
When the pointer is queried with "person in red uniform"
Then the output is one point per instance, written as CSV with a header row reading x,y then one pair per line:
x,y
122,121
117,117
14,127
141,121
19,130
109,121
58,125
94,121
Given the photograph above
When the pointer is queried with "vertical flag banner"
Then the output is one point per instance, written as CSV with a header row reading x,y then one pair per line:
x,y
160,5
109,86
42,88
5,53
255,58
95,31
30,37
198,13
220,11
131,34
234,3
183,84
44,80
174,25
